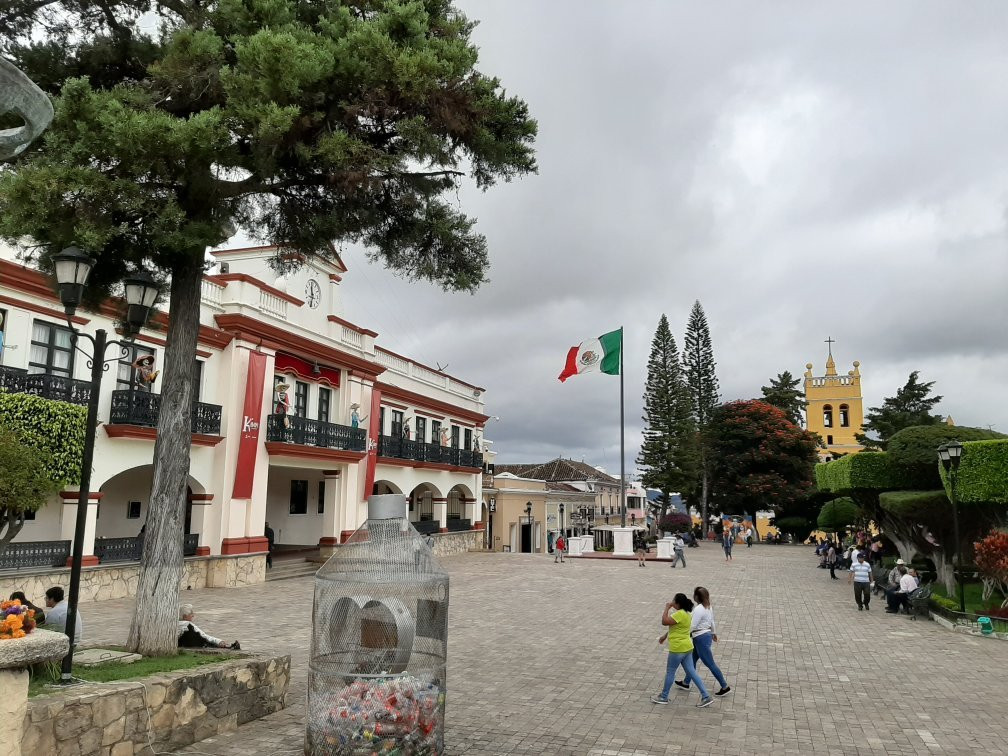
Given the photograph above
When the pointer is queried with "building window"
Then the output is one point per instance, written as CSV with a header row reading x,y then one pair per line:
x,y
299,497
321,497
421,429
426,506
435,431
128,376
323,404
51,350
827,416
829,440
455,437
29,514
844,416
381,421
300,399
197,380
455,506
3,329
133,510
397,424
468,439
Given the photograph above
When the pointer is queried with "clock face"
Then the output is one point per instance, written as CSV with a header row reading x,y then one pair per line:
x,y
313,294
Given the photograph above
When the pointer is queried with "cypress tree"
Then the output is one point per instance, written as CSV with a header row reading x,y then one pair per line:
x,y
702,385
784,394
666,460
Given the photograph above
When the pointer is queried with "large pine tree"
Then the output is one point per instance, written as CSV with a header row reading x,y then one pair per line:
x,y
784,394
702,385
666,460
306,123
911,406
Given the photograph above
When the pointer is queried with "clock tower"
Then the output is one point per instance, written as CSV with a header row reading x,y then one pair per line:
x,y
834,410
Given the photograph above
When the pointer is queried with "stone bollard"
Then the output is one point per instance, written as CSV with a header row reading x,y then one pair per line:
x,y
16,656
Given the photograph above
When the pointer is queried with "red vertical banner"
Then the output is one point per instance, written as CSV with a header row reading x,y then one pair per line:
x,y
374,430
248,444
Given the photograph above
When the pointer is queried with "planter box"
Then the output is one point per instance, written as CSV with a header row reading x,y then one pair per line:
x,y
180,708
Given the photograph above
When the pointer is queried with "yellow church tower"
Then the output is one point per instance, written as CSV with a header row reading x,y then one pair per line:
x,y
834,407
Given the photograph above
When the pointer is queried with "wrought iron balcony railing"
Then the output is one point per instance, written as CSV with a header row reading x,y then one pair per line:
x,y
294,429
45,385
131,549
17,556
404,448
135,407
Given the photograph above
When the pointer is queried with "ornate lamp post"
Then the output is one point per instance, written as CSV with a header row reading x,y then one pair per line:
x,y
949,454
72,270
562,519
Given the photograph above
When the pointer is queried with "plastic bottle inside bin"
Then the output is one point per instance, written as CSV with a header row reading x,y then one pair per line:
x,y
379,642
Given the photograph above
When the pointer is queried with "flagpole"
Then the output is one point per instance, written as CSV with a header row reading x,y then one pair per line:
x,y
622,454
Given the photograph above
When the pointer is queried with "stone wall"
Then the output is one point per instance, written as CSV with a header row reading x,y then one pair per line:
x,y
170,710
448,544
115,581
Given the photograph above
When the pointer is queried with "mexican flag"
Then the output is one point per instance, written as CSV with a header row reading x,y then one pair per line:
x,y
601,354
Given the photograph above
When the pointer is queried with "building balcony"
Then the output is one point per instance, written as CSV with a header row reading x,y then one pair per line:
x,y
293,429
135,407
47,386
394,447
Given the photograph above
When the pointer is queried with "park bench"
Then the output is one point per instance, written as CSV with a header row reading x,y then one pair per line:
x,y
919,600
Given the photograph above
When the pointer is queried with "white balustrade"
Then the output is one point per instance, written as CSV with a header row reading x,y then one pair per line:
x,y
425,374
392,362
212,293
353,338
272,304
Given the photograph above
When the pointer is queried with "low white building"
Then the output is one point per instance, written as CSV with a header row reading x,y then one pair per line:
x,y
309,471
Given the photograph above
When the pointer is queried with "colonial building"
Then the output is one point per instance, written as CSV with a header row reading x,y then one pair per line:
x,y
834,409
299,414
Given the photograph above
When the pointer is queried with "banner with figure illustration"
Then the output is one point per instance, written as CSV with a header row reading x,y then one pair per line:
x,y
248,444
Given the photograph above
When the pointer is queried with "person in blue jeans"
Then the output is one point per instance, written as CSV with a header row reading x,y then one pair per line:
x,y
703,632
676,618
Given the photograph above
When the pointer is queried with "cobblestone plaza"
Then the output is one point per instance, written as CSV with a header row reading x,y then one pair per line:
x,y
551,659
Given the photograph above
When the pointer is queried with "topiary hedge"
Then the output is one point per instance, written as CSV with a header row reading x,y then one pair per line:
x,y
839,514
983,473
915,506
863,470
55,429
913,452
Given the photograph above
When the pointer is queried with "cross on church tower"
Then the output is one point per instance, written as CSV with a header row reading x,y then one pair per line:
x,y
830,341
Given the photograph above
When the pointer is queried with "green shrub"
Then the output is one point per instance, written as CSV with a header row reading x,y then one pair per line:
x,y
55,429
916,505
945,603
864,470
913,451
838,514
983,473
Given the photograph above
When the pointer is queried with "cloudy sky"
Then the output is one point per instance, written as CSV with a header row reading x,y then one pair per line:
x,y
804,170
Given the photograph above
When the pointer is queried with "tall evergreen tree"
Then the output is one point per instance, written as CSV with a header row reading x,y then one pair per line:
x,y
702,385
306,123
911,406
666,460
783,393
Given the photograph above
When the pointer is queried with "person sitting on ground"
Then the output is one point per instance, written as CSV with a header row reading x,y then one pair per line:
x,y
190,636
900,596
39,614
56,617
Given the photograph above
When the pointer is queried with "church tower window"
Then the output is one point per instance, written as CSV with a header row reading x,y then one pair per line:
x,y
827,415
844,416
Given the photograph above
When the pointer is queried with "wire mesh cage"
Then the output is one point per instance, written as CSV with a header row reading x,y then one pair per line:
x,y
379,640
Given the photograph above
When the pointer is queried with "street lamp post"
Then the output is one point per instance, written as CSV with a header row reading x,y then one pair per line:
x,y
72,270
950,454
562,520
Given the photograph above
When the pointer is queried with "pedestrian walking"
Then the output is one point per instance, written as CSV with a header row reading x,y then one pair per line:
x,y
678,551
861,577
270,538
831,560
726,543
561,544
703,632
748,538
676,618
640,549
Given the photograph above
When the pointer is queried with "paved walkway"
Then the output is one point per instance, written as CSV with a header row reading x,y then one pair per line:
x,y
551,659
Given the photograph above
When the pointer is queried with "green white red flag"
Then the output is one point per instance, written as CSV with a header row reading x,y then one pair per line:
x,y
595,355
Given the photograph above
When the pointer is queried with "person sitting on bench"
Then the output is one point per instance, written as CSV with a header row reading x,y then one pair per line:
x,y
899,596
190,636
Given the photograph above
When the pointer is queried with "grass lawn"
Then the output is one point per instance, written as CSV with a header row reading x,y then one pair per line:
x,y
974,604
113,672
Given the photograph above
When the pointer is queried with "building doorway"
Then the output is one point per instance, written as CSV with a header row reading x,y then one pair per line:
x,y
526,538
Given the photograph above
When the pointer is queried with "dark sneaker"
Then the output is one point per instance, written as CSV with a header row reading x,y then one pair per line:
x,y
724,691
659,700
860,608
867,608
682,684
704,702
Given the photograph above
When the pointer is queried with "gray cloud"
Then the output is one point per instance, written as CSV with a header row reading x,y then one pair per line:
x,y
804,170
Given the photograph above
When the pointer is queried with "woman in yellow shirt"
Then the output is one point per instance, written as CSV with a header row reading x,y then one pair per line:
x,y
676,618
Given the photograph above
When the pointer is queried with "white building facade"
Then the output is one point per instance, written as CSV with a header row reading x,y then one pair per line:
x,y
279,375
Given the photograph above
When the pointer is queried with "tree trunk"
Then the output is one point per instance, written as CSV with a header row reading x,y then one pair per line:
x,y
945,567
154,630
14,520
704,484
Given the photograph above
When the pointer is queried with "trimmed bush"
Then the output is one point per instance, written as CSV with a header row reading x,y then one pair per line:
x,y
915,506
983,473
54,429
863,470
913,451
838,514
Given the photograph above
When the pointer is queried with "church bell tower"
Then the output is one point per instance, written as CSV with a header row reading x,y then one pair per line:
x,y
834,409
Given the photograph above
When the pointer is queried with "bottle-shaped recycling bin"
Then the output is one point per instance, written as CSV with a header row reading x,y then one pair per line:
x,y
376,680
